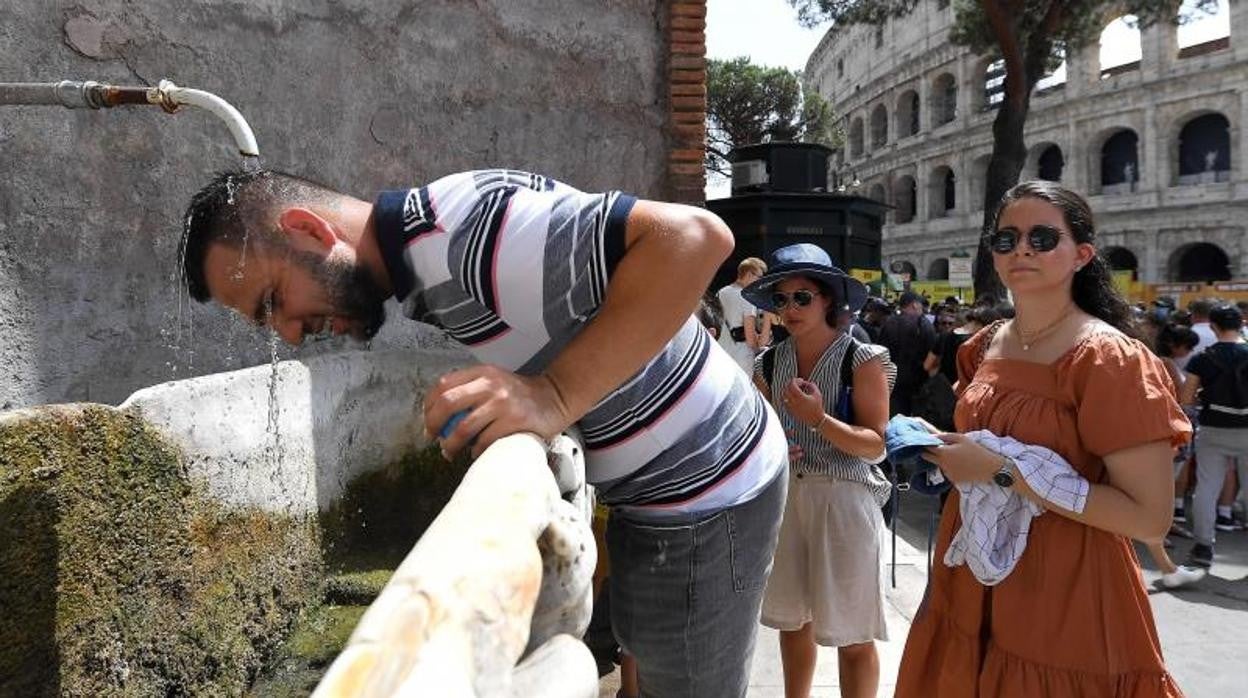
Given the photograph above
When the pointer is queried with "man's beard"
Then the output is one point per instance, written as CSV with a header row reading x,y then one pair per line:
x,y
352,291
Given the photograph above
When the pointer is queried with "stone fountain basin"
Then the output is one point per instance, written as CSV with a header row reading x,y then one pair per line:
x,y
169,545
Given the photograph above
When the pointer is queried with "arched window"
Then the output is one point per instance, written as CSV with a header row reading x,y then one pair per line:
x,y
879,126
939,269
1049,165
855,138
907,114
1055,79
941,194
1121,259
1120,47
904,199
1202,32
1205,150
944,100
1120,163
1200,261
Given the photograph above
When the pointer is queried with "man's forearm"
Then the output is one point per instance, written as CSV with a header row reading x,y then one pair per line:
x,y
673,252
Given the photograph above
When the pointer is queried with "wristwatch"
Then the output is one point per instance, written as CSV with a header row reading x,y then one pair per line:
x,y
1005,476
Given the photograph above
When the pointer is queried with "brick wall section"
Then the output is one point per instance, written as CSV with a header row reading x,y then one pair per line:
x,y
686,178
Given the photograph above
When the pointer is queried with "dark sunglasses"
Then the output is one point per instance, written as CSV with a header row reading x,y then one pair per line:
x,y
803,298
1041,238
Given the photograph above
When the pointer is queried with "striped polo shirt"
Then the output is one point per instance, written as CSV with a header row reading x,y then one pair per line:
x,y
513,265
820,456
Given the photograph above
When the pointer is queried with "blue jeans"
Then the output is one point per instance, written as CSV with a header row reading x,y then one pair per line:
x,y
686,594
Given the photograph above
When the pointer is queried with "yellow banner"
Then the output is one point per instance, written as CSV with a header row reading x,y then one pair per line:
x,y
938,291
866,276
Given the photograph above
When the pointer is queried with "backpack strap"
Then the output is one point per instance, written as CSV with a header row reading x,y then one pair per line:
x,y
991,331
847,363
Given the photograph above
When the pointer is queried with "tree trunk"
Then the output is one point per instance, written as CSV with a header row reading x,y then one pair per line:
x,y
1009,153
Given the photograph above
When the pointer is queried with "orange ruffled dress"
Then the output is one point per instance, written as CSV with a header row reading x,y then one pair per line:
x,y
1073,618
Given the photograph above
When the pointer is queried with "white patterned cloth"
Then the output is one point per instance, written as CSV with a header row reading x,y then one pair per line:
x,y
996,520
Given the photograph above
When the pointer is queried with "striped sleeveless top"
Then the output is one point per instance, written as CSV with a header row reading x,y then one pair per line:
x,y
821,457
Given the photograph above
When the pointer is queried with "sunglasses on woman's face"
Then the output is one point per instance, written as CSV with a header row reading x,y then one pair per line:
x,y
1041,238
780,300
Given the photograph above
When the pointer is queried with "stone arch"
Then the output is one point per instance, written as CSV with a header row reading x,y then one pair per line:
x,y
905,199
855,137
878,193
904,266
1045,161
943,102
941,192
1199,261
1120,46
1204,149
907,114
938,270
1121,259
1119,162
879,126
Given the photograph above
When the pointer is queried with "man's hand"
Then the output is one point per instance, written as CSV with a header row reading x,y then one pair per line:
x,y
498,403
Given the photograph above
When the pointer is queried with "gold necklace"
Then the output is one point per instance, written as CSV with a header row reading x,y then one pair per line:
x,y
1026,339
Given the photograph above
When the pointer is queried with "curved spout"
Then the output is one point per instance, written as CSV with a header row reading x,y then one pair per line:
x,y
93,95
243,137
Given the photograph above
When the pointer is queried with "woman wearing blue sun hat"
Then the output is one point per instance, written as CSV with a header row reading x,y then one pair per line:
x,y
831,392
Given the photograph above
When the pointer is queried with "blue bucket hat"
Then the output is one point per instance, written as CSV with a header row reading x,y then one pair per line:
x,y
805,259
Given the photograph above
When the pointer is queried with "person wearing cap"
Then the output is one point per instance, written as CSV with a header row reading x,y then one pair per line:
x,y
827,585
1217,380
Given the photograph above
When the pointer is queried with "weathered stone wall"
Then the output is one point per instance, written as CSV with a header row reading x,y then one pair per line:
x,y
362,94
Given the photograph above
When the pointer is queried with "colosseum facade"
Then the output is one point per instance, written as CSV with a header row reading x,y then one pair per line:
x,y
1155,144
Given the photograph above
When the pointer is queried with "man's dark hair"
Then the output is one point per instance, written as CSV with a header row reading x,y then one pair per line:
x,y
711,313
1227,318
908,298
1200,307
237,206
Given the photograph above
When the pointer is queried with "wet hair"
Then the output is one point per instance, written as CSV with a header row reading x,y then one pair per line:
x,y
1092,288
1173,336
237,206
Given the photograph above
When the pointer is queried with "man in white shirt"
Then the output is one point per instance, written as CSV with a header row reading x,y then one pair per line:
x,y
1199,309
742,340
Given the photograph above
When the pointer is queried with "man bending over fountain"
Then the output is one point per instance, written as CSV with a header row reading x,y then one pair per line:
x,y
580,308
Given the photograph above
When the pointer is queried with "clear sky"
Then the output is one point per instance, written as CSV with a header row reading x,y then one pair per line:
x,y
767,31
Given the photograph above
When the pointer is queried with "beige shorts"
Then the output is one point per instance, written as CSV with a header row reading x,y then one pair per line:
x,y
829,567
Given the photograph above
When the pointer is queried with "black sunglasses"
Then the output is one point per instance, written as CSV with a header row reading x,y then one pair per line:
x,y
1041,238
802,298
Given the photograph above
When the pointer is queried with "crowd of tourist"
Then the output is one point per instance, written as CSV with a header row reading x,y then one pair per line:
x,y
1141,377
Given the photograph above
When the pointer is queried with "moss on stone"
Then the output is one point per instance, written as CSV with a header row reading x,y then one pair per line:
x,y
118,578
383,513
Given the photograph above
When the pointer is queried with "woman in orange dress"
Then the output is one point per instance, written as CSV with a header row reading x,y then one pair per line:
x,y
1073,618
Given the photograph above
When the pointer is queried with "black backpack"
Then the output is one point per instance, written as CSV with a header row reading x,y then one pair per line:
x,y
1225,400
844,412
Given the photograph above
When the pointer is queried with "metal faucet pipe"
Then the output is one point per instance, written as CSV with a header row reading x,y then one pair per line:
x,y
166,95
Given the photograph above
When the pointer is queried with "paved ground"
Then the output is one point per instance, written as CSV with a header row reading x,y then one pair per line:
x,y
1204,629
